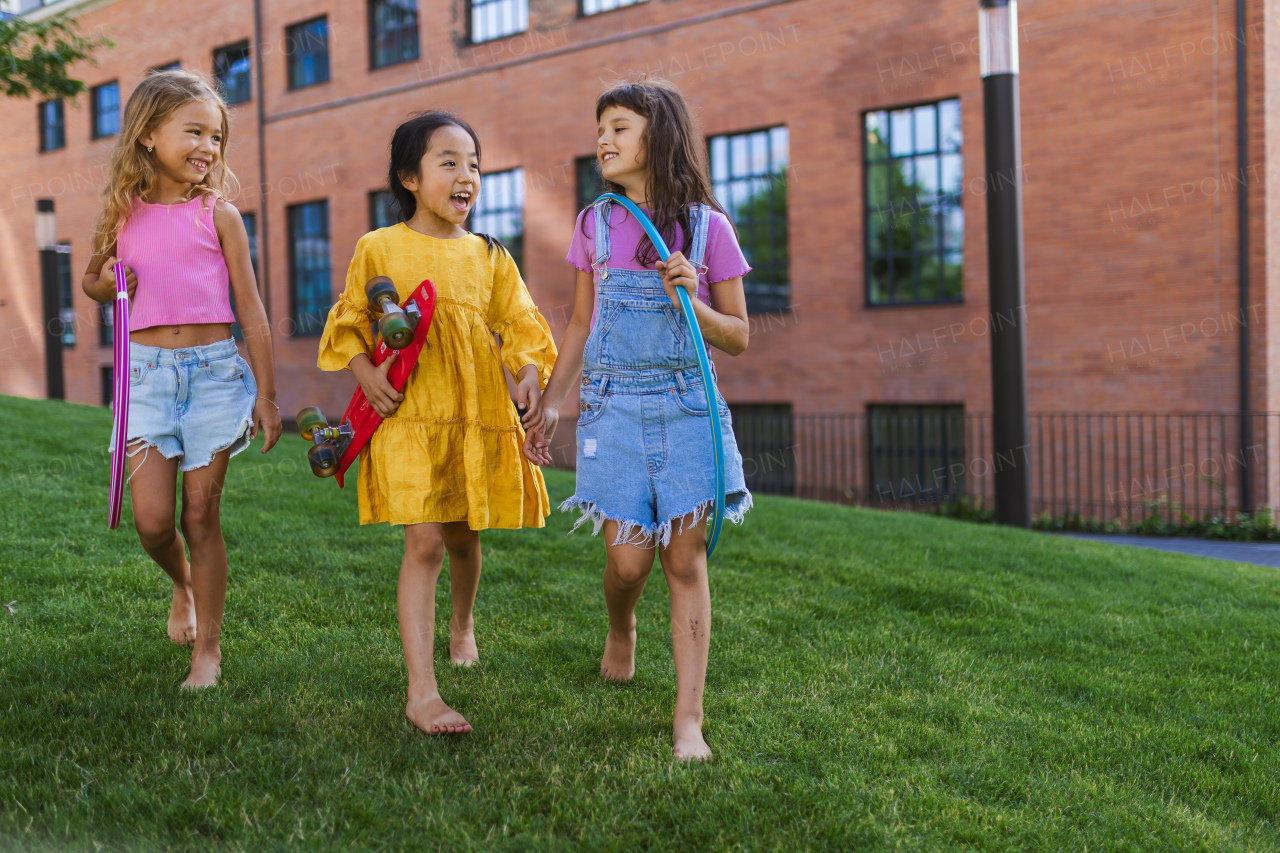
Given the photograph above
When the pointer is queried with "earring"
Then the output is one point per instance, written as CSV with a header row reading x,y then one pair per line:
x,y
150,148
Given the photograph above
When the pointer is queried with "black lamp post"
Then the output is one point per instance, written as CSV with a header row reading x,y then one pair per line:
x,y
47,241
998,31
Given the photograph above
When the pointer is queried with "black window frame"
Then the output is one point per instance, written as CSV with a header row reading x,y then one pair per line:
x,y
308,325
515,245
587,190
222,56
622,4
45,129
96,114
763,297
949,420
250,219
377,198
295,56
473,5
403,28
874,260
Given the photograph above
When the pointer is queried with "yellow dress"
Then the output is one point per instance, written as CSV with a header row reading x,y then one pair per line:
x,y
452,451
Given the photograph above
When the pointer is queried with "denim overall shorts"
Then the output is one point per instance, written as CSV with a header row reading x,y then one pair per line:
x,y
645,456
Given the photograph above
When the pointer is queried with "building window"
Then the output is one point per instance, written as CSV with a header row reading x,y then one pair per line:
x,y
493,19
766,437
595,7
499,211
231,66
53,131
383,211
393,32
590,184
310,280
308,47
913,211
104,104
749,177
917,453
251,229
65,303
107,382
172,66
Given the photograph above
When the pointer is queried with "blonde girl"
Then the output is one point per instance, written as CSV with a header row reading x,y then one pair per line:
x,y
194,402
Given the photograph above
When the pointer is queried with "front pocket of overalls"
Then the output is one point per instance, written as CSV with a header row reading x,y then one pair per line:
x,y
591,406
694,402
224,369
638,336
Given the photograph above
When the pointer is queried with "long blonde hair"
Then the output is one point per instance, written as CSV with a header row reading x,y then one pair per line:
x,y
132,171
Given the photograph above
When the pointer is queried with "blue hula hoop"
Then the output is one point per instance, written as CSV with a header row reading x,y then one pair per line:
x,y
704,365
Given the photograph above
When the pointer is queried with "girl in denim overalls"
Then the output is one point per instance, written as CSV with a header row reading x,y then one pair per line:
x,y
645,464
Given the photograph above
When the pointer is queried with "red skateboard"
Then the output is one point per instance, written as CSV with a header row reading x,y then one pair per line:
x,y
403,329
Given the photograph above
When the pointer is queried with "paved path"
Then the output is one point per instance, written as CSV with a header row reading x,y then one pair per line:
x,y
1257,553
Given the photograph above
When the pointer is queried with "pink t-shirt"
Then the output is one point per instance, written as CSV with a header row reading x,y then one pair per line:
x,y
723,259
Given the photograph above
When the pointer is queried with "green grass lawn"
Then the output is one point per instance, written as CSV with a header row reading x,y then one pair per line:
x,y
877,681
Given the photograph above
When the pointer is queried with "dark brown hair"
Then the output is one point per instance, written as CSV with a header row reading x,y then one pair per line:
x,y
674,154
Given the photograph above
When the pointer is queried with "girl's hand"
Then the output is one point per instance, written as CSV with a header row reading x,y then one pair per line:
x,y
537,441
130,280
529,397
266,420
380,393
678,271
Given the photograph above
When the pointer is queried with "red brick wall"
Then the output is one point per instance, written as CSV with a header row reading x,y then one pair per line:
x,y
1128,130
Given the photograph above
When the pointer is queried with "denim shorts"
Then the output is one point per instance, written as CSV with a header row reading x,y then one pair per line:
x,y
645,458
191,403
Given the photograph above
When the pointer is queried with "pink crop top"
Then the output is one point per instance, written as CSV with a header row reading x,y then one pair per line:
x,y
174,251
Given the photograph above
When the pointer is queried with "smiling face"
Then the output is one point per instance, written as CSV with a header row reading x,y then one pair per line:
x,y
620,148
448,181
189,144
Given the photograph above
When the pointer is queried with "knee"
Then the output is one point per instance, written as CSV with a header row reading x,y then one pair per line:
x,y
199,518
424,549
628,573
463,542
154,533
684,573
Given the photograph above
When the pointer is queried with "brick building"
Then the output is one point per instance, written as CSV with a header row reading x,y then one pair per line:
x,y
847,138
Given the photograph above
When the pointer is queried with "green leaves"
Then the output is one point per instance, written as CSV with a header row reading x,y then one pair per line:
x,y
35,55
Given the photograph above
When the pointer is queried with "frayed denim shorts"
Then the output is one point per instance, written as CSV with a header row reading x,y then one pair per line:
x,y
190,403
645,457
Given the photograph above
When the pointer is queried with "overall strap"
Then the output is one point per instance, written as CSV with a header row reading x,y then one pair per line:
x,y
700,215
602,233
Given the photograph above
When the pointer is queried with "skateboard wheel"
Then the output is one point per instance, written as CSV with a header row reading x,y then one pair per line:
x,y
308,419
379,289
396,330
324,459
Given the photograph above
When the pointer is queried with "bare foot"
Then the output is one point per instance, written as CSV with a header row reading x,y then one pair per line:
x,y
687,742
619,661
434,717
462,645
206,668
182,617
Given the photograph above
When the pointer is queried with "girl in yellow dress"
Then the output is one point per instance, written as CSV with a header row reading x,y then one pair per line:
x,y
447,462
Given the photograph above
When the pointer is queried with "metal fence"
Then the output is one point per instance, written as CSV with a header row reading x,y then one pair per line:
x,y
1100,465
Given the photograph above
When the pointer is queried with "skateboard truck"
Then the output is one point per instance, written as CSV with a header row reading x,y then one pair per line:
x,y
397,325
330,442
